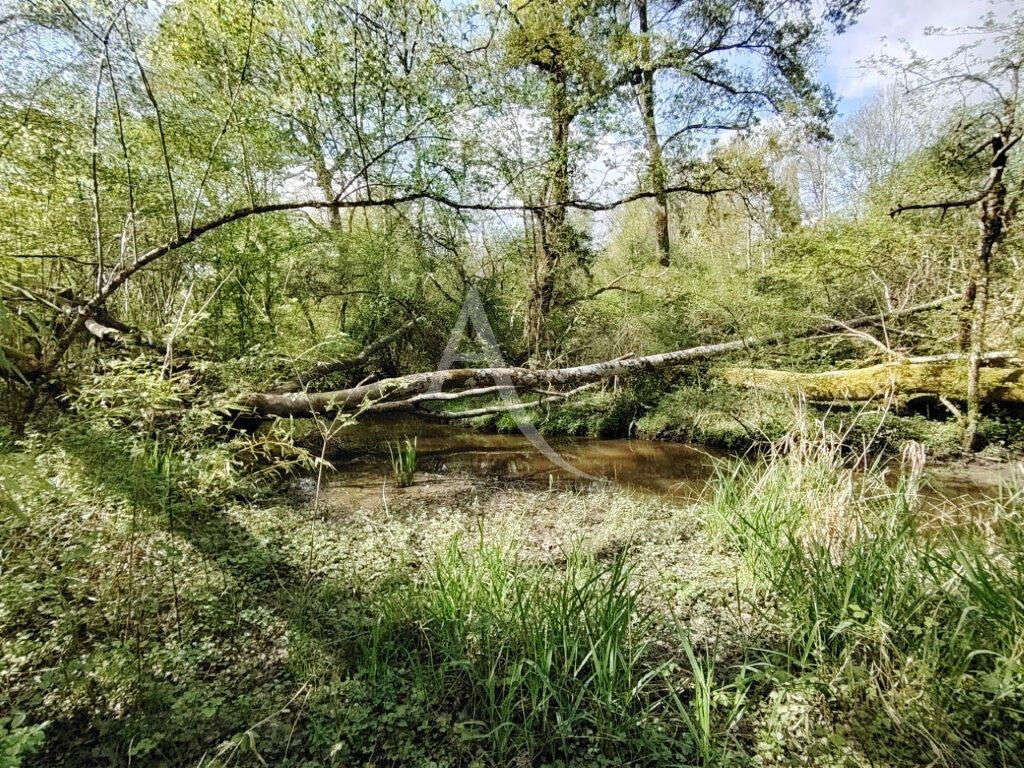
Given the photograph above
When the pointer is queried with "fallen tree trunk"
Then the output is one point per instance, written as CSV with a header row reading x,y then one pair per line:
x,y
301,404
103,329
107,330
414,405
943,376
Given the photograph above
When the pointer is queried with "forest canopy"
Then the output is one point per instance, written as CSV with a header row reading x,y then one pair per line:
x,y
278,182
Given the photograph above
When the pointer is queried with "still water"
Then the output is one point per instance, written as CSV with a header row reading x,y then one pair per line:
x,y
674,470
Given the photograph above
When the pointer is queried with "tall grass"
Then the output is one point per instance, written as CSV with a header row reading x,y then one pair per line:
x,y
403,461
878,631
545,664
924,620
988,561
834,542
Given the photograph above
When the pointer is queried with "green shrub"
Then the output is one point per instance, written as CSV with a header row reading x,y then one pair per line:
x,y
710,413
602,414
884,432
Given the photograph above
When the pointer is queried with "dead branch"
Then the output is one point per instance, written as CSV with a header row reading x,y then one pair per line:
x,y
504,408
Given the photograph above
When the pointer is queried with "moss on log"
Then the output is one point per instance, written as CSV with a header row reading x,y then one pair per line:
x,y
941,377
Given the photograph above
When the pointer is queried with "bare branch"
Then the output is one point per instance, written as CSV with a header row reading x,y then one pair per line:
x,y
505,408
227,119
159,123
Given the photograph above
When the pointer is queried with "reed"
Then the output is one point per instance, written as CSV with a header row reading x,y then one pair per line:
x,y
545,664
403,461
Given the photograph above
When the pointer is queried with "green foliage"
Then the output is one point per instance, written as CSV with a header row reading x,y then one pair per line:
x,y
17,740
708,412
120,597
885,433
806,611
703,410
865,585
848,577
543,666
164,603
603,415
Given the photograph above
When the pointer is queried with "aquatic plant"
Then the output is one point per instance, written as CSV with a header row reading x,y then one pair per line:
x,y
403,461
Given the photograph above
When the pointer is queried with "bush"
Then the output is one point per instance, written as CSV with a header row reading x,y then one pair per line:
x,y
711,413
17,740
603,414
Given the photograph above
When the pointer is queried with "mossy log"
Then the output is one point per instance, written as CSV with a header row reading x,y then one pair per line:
x,y
1002,380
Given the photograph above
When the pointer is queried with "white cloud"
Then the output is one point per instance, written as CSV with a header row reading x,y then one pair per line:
x,y
888,27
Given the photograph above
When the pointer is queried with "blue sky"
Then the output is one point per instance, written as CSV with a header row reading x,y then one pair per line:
x,y
885,27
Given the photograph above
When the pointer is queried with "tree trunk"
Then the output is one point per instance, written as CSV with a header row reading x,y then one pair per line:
x,y
941,375
991,229
977,349
552,219
967,307
322,173
655,165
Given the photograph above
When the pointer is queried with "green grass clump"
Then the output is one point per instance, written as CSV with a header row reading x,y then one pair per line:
x,y
403,461
541,665
549,666
837,546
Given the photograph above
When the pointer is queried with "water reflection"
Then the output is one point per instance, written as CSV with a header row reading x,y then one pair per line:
x,y
669,469
664,468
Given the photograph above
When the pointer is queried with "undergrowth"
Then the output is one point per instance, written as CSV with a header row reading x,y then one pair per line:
x,y
710,413
812,611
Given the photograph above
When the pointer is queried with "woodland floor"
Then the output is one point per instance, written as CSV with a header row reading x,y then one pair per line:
x,y
370,628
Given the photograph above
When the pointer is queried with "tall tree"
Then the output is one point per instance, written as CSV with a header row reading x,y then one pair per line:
x,y
643,85
703,68
989,129
562,41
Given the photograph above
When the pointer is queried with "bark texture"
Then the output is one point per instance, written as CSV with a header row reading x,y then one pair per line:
x,y
990,224
644,88
554,235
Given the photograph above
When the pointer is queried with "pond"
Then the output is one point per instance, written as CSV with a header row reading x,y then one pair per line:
x,y
676,470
